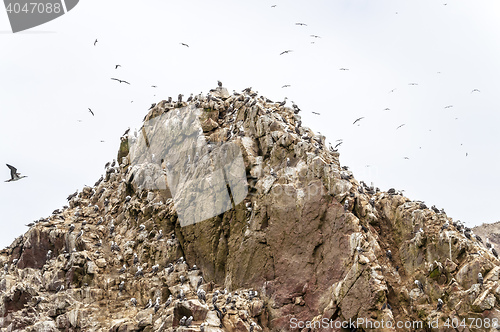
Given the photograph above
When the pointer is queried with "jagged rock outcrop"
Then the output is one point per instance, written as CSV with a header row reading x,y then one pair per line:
x,y
306,245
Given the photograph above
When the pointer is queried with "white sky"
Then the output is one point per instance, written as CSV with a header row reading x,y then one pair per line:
x,y
51,74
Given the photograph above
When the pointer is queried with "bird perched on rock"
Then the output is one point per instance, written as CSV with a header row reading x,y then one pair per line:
x,y
200,281
439,305
139,272
123,269
136,259
149,304
201,295
480,279
252,326
155,268
419,285
169,301
182,321
182,279
49,254
188,321
346,205
219,83
157,305
142,227
160,235
71,228
389,254
134,301
494,252
122,284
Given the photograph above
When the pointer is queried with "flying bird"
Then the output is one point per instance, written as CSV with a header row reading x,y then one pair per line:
x,y
315,36
153,86
121,81
400,126
273,6
392,90
116,66
14,176
91,112
285,52
338,144
301,24
358,119
412,83
95,42
344,69
183,44
315,113
475,90
449,106
286,86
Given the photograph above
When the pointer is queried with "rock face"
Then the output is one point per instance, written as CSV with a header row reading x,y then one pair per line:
x,y
305,248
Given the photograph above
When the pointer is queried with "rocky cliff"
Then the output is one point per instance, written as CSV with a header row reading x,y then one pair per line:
x,y
299,245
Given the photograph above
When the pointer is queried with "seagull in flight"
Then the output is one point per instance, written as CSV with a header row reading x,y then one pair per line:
x,y
14,176
285,52
315,113
301,24
358,119
286,86
273,6
400,126
183,44
344,69
116,66
121,81
449,106
91,112
153,86
95,42
412,83
392,90
475,90
315,36
338,144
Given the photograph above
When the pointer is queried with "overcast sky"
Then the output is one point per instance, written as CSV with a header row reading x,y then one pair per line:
x,y
50,75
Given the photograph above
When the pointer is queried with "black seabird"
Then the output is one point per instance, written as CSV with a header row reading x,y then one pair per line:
x,y
14,176
121,81
219,83
183,44
285,52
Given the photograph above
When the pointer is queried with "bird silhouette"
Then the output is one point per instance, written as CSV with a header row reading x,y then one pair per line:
x,y
121,81
358,119
183,44
116,66
91,112
14,176
95,42
285,52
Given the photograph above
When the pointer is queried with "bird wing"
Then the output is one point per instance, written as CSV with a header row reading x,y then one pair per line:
x,y
125,82
13,171
116,79
91,112
400,126
358,119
